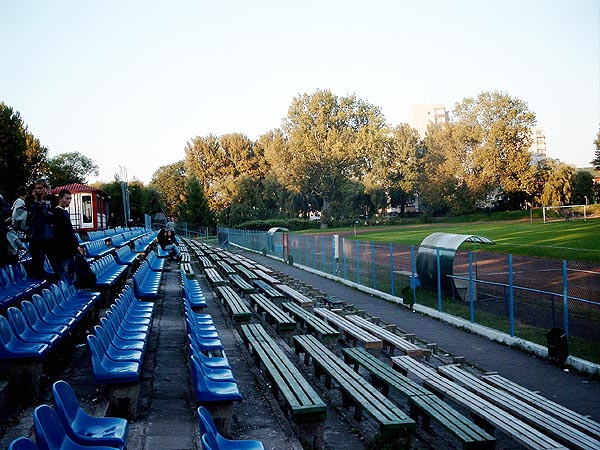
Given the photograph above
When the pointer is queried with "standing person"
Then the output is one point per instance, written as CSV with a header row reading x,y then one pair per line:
x,y
39,218
19,213
167,240
112,221
64,241
4,225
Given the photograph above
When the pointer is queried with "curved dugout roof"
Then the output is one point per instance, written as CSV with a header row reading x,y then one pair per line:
x,y
276,229
447,243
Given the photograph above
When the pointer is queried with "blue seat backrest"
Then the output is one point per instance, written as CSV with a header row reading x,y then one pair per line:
x,y
50,432
23,443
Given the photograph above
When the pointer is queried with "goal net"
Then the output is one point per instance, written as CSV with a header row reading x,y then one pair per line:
x,y
571,212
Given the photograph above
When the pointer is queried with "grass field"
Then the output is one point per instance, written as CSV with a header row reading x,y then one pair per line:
x,y
573,241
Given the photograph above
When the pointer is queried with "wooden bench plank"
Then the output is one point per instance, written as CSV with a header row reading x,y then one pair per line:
x,y
298,297
567,415
238,310
355,390
487,415
549,424
214,277
313,324
273,314
268,290
390,340
241,284
265,276
422,401
352,332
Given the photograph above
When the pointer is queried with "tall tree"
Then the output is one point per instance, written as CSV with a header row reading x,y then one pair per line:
x,y
596,160
328,139
500,129
21,155
70,167
396,167
557,189
583,188
169,180
194,207
217,163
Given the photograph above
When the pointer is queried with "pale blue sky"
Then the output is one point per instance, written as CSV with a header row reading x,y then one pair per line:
x,y
128,83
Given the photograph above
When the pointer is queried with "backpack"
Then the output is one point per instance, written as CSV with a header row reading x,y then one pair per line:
x,y
84,277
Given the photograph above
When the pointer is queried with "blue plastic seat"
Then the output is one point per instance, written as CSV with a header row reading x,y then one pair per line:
x,y
118,308
117,353
47,316
84,428
35,321
24,332
81,303
213,391
214,361
113,327
13,348
206,344
110,315
50,433
133,302
23,443
61,309
216,441
212,372
115,340
107,371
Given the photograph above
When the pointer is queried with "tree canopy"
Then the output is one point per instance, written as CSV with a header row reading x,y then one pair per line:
x,y
70,167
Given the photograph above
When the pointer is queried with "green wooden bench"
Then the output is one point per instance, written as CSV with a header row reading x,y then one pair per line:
x,y
352,333
284,324
263,275
214,277
268,290
235,305
205,262
325,332
299,400
241,284
248,274
550,425
422,401
356,391
224,267
486,414
565,414
390,340
296,296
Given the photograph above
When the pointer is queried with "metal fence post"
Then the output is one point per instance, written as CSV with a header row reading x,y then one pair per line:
x,y
471,302
565,297
511,296
323,253
439,280
392,268
413,274
373,272
357,264
315,251
344,256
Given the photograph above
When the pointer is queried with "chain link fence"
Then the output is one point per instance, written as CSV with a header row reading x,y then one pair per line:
x,y
524,296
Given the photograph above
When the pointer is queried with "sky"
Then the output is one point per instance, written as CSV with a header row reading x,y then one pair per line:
x,y
129,83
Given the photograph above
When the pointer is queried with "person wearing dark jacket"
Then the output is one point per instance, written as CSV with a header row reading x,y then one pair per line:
x,y
64,243
167,240
40,207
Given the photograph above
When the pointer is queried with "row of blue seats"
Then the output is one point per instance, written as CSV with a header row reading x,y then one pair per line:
x,y
156,263
39,325
104,245
192,292
118,346
16,285
68,426
108,272
146,282
211,373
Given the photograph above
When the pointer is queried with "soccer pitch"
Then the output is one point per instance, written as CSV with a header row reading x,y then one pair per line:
x,y
573,240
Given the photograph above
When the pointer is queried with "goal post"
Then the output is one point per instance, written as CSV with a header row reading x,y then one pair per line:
x,y
569,212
